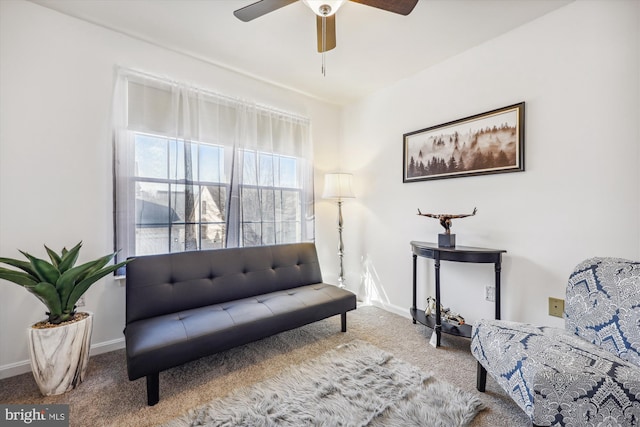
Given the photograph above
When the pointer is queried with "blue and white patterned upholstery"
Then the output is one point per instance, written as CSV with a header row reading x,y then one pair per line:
x,y
587,374
603,305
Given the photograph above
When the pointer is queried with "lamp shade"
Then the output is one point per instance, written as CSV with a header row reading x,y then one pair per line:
x,y
338,186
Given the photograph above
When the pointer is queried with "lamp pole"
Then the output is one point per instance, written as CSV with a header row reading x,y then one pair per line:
x,y
340,246
337,186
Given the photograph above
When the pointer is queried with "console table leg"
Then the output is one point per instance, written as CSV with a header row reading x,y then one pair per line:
x,y
498,270
415,301
438,326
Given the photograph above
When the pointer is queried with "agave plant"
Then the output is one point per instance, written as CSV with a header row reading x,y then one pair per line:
x,y
58,284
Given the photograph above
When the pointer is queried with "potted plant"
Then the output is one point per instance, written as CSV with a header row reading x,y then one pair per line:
x,y
59,346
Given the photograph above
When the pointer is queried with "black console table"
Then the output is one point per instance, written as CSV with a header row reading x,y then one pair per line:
x,y
458,254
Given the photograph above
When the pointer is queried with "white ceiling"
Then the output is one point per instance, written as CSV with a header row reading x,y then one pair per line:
x,y
374,48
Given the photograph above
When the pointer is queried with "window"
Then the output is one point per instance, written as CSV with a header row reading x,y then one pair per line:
x,y
194,170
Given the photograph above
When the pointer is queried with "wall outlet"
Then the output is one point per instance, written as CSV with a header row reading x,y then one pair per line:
x,y
556,307
80,302
490,293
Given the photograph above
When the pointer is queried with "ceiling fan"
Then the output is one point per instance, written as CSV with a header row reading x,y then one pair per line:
x,y
325,14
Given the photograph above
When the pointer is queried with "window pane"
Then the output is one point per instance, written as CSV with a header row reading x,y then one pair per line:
x,y
251,234
288,172
212,235
152,205
268,204
212,208
153,216
177,238
177,167
250,205
268,174
213,203
268,233
211,163
152,240
185,237
291,206
249,168
290,232
150,156
185,200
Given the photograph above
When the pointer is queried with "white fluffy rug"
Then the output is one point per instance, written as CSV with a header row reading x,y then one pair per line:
x,y
356,384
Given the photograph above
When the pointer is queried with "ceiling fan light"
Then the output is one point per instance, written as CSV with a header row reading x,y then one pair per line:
x,y
318,6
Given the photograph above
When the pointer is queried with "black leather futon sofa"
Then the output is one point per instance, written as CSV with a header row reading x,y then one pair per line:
x,y
183,306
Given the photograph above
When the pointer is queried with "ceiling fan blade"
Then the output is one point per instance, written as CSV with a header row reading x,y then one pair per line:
x,y
256,10
403,7
329,33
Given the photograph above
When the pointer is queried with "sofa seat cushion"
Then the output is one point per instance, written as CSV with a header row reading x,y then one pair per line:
x,y
162,342
570,380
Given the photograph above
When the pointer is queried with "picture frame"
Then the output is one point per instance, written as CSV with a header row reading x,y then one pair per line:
x,y
482,144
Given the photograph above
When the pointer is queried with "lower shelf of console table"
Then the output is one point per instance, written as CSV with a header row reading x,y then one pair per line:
x,y
447,328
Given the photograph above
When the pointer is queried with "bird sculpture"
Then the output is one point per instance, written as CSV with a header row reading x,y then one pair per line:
x,y
445,219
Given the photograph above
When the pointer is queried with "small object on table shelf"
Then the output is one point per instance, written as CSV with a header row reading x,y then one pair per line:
x,y
446,314
453,318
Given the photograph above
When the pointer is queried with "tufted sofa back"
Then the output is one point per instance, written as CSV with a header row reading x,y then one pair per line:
x,y
603,305
170,283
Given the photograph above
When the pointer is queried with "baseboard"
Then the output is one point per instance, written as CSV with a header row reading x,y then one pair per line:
x,y
13,369
400,311
24,366
107,346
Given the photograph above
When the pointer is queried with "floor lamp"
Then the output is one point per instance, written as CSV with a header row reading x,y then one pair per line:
x,y
337,186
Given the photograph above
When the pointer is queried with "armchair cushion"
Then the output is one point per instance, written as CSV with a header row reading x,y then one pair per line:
x,y
603,305
556,377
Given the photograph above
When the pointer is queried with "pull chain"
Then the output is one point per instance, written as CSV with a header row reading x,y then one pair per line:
x,y
324,45
324,68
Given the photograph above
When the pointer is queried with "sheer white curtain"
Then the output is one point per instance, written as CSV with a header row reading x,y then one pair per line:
x,y
197,170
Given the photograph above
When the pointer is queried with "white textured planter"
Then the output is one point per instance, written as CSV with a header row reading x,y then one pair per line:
x,y
60,355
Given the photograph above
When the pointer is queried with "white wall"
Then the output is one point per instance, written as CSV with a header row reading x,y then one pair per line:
x,y
578,71
56,77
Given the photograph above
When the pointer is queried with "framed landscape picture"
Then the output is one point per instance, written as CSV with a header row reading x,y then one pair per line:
x,y
487,143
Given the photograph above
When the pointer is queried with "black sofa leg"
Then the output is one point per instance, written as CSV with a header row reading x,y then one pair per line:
x,y
343,321
153,388
481,381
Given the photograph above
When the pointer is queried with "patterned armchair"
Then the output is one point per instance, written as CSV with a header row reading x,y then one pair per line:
x,y
587,374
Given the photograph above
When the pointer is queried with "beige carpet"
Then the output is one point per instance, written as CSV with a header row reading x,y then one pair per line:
x,y
108,398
